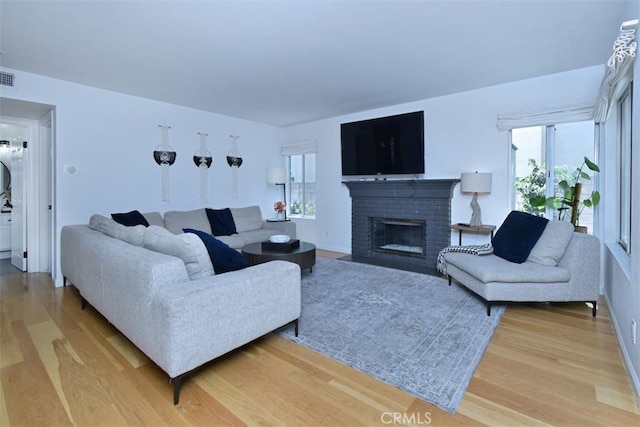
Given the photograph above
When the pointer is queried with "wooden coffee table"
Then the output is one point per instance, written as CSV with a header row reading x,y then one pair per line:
x,y
304,256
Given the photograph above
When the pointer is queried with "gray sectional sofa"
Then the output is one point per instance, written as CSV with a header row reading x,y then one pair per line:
x,y
250,225
160,291
563,266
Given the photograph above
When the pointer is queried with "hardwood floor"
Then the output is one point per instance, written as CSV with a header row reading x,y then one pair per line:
x,y
59,365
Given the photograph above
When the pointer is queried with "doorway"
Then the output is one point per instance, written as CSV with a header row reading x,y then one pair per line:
x,y
28,129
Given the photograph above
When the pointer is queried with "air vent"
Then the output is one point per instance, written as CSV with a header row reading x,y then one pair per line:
x,y
6,79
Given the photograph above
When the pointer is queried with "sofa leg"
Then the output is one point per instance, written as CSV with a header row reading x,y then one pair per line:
x,y
177,382
595,308
488,309
83,303
295,327
449,280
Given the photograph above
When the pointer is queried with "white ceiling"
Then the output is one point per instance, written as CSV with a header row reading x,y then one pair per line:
x,y
288,62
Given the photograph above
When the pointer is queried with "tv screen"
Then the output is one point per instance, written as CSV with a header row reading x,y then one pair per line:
x,y
384,146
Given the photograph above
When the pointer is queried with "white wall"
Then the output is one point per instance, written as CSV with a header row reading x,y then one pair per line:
x,y
460,136
622,272
110,137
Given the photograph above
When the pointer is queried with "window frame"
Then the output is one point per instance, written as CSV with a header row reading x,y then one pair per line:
x,y
625,167
303,215
548,158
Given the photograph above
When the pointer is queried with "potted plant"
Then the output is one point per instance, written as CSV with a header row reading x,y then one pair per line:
x,y
570,200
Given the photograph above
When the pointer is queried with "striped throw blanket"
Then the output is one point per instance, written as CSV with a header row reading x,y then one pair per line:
x,y
485,249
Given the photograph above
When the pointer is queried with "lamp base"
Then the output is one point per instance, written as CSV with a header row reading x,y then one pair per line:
x,y
476,216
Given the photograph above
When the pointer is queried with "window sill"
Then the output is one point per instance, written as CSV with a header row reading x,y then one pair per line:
x,y
621,257
302,217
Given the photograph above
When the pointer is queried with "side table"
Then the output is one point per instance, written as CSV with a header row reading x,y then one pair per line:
x,y
481,229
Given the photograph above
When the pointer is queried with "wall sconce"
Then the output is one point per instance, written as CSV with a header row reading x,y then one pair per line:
x,y
278,176
476,182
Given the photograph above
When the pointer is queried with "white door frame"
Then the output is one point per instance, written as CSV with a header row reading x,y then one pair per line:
x,y
39,189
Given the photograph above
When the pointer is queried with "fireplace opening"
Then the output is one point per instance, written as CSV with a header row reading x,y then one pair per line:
x,y
398,236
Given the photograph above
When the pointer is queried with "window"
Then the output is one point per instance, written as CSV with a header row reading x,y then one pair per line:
x,y
552,154
625,106
301,167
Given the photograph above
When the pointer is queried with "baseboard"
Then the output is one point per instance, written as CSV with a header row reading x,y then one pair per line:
x,y
628,366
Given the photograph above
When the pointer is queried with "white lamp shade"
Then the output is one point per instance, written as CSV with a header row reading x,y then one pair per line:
x,y
475,182
276,176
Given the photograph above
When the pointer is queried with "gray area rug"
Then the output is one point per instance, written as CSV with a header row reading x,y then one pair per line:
x,y
407,329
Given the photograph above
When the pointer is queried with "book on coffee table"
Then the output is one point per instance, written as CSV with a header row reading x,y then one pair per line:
x,y
281,247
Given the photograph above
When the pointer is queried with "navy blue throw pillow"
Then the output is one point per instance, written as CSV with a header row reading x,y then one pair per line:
x,y
221,221
223,257
130,219
517,235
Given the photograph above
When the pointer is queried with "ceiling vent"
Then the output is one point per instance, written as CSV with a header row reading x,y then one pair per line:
x,y
6,79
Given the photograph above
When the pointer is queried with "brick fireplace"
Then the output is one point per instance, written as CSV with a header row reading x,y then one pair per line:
x,y
400,223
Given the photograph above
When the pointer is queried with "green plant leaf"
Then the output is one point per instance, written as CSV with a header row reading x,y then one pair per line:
x,y
537,201
584,175
553,202
595,196
564,185
591,165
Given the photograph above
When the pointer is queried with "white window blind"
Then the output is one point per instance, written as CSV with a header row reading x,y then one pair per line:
x,y
508,121
305,147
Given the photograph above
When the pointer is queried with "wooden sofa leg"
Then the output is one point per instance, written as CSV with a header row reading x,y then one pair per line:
x,y
449,280
83,303
595,308
488,309
295,327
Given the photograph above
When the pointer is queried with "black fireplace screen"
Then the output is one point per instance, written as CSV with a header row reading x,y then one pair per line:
x,y
398,236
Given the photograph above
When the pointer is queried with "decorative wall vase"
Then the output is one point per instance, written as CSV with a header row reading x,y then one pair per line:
x,y
234,160
164,156
203,160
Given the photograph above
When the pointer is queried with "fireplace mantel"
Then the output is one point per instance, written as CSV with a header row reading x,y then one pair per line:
x,y
428,200
410,188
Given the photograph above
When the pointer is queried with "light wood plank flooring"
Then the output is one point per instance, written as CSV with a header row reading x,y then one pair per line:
x,y
59,365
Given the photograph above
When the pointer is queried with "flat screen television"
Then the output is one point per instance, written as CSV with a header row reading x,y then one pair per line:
x,y
384,146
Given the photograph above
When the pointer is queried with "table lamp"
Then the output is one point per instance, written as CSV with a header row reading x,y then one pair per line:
x,y
475,182
278,176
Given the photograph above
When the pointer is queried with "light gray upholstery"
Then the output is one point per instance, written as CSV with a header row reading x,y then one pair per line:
x,y
552,244
133,235
250,226
234,241
177,322
247,219
176,221
575,278
186,246
154,218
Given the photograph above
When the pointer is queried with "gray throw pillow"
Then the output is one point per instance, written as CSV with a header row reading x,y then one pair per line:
x,y
175,221
188,247
245,219
132,235
552,244
99,223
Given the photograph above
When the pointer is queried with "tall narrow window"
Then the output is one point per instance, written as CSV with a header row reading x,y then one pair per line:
x,y
551,154
301,165
624,163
